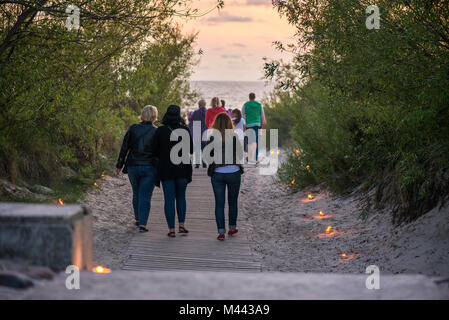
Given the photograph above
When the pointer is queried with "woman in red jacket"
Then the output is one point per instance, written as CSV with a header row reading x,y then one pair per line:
x,y
214,111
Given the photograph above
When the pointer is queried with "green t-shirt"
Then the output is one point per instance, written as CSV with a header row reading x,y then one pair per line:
x,y
252,113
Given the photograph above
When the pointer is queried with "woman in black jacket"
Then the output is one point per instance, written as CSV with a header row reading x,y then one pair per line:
x,y
174,173
137,159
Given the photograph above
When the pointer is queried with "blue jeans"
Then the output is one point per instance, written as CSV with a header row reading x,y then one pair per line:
x,y
142,180
175,191
256,131
219,183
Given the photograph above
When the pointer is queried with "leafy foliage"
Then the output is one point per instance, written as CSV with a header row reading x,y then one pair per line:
x,y
67,96
369,105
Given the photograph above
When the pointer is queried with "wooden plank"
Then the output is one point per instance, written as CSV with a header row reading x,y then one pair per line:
x,y
198,250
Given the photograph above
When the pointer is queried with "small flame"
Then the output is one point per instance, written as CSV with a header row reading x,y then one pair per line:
x,y
96,184
279,152
344,255
308,167
102,174
310,196
100,269
322,213
293,181
298,151
328,230
272,152
60,202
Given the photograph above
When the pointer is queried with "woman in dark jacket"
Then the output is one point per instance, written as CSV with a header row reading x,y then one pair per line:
x,y
137,159
175,174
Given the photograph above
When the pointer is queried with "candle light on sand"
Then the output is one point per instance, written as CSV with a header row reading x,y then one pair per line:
x,y
60,202
328,230
344,255
322,214
101,269
309,196
293,181
95,184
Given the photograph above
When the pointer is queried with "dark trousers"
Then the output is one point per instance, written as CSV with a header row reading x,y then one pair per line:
x,y
142,180
219,183
256,131
175,192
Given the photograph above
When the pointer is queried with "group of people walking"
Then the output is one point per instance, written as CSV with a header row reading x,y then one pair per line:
x,y
145,156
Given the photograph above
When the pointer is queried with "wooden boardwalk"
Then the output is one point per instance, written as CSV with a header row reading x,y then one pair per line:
x,y
199,250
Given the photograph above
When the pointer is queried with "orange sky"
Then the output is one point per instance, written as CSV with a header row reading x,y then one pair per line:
x,y
236,39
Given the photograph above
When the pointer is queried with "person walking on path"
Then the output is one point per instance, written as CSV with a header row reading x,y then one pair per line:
x,y
174,177
199,115
239,124
226,175
216,108
254,115
137,159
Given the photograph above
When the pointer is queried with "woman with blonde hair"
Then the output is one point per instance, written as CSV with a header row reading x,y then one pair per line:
x,y
137,160
216,108
226,175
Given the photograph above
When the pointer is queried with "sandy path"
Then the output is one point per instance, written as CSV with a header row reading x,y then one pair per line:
x,y
111,206
289,235
286,232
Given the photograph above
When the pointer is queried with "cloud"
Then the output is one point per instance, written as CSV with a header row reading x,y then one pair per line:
x,y
259,2
230,56
226,17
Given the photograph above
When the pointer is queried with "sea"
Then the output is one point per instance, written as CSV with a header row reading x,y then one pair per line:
x,y
235,93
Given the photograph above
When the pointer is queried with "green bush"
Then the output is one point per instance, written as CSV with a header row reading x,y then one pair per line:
x,y
366,106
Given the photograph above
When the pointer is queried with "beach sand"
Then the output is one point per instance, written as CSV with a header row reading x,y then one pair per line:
x,y
288,233
113,227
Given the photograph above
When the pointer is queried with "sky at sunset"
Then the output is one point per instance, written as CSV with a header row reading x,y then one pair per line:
x,y
236,39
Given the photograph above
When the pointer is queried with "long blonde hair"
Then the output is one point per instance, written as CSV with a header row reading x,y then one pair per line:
x,y
221,123
215,102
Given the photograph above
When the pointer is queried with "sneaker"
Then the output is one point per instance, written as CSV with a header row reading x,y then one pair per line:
x,y
232,232
143,229
221,237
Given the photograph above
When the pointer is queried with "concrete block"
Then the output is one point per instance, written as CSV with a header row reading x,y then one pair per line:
x,y
47,235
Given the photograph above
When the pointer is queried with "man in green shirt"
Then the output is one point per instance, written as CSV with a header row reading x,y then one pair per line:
x,y
252,112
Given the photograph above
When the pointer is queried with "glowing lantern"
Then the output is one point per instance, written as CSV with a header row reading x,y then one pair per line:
x,y
293,181
95,184
102,174
344,255
279,152
60,202
298,151
310,196
321,213
308,167
328,230
101,269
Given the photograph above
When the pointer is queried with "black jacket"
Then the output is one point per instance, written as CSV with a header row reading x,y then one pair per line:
x,y
137,145
161,148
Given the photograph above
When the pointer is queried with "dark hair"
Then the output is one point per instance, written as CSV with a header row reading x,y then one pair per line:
x,y
223,103
173,116
252,96
239,116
